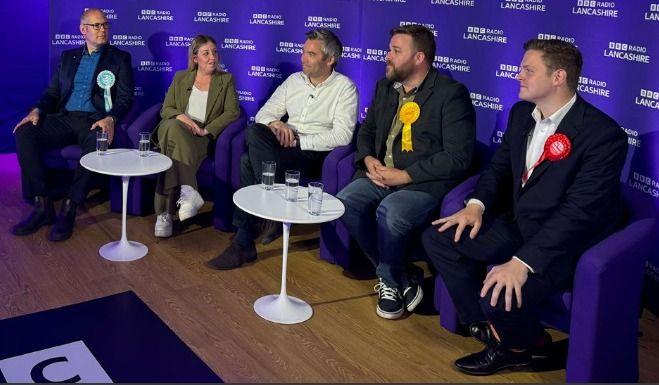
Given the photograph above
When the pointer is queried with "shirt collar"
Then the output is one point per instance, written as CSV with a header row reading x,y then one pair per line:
x,y
557,116
85,51
324,82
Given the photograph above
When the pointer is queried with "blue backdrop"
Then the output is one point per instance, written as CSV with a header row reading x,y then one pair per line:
x,y
479,43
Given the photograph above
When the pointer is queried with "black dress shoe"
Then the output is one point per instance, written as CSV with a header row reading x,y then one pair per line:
x,y
491,360
234,256
66,218
43,214
482,331
272,231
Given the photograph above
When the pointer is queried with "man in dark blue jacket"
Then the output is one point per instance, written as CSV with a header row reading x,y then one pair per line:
x,y
91,90
551,191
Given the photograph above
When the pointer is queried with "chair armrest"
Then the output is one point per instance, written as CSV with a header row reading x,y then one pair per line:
x,y
331,167
606,306
454,200
146,122
223,150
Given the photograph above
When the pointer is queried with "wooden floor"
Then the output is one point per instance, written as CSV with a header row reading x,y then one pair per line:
x,y
344,341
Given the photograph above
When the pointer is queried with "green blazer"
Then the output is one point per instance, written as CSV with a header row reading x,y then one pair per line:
x,y
222,107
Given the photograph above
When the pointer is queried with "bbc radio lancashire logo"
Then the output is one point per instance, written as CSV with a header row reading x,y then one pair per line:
x,y
264,72
486,101
238,44
67,39
72,362
653,14
648,98
643,183
322,22
266,19
485,34
451,64
128,40
524,5
430,26
596,8
245,96
593,86
632,137
351,52
454,3
374,54
509,71
110,13
178,41
211,17
551,36
154,66
155,15
289,47
629,52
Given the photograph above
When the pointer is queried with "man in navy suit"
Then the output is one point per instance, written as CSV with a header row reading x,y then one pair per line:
x,y
91,90
535,209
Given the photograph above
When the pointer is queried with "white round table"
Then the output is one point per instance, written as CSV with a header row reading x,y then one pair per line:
x,y
272,205
125,162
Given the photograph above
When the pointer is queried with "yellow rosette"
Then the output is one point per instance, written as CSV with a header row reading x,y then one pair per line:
x,y
408,114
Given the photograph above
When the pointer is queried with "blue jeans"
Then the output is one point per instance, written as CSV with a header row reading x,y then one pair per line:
x,y
381,222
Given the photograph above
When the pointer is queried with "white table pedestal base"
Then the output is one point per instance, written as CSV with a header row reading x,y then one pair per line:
x,y
283,309
123,251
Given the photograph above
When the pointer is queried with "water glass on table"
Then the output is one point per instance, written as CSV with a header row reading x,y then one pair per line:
x,y
145,143
268,168
315,199
101,142
292,178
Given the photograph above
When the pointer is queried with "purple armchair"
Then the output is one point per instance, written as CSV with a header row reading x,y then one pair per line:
x,y
601,312
214,176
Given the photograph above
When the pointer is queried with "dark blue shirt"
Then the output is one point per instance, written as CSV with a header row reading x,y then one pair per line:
x,y
81,95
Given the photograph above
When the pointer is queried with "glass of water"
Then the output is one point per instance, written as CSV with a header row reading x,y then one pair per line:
x,y
268,168
101,142
145,143
292,178
315,200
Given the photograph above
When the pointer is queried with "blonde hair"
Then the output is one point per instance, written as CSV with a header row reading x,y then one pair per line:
x,y
196,43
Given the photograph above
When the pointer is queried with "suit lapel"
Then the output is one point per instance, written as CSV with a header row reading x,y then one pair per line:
x,y
390,108
185,89
71,73
570,126
213,93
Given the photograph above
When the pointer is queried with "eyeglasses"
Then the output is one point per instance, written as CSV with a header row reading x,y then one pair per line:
x,y
97,26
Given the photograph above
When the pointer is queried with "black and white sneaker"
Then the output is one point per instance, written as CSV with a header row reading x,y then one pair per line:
x,y
390,302
412,295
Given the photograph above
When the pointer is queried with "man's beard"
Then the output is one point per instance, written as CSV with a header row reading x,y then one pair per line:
x,y
397,74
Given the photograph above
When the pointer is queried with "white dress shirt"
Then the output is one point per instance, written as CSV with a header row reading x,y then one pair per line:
x,y
543,129
323,116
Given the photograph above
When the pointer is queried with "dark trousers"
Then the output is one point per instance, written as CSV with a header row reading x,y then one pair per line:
x,y
463,265
262,145
54,131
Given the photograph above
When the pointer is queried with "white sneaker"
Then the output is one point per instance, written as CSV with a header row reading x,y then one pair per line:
x,y
189,203
164,225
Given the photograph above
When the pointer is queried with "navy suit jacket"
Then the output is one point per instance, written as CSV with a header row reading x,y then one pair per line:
x,y
568,205
443,136
61,84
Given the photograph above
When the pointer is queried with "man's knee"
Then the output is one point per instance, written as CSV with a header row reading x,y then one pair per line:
x,y
438,246
25,133
257,134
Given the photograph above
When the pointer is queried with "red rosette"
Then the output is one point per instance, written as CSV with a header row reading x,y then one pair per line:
x,y
557,147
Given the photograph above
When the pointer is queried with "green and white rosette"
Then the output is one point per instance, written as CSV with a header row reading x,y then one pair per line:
x,y
105,80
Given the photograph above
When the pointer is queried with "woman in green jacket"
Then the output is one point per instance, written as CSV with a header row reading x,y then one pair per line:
x,y
200,103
